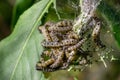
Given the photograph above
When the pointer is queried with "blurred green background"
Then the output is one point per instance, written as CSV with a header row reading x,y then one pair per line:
x,y
10,10
6,7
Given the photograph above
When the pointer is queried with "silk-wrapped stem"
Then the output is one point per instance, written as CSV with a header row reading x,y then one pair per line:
x,y
88,8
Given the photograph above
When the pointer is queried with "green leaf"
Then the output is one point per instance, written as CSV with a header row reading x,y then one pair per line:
x,y
19,8
20,51
112,17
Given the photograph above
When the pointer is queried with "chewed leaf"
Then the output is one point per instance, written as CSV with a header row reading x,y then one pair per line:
x,y
20,51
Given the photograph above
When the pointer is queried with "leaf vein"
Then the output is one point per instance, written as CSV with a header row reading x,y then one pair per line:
x,y
29,35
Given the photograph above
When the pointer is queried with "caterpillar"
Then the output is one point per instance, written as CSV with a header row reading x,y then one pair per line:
x,y
72,55
74,47
53,36
96,35
59,44
59,60
96,30
61,26
89,25
72,35
47,53
64,23
44,31
46,69
60,29
67,42
45,64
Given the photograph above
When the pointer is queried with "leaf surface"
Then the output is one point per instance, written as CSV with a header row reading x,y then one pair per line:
x,y
20,51
112,17
19,7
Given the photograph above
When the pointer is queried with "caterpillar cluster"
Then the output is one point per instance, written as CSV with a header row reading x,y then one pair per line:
x,y
63,47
